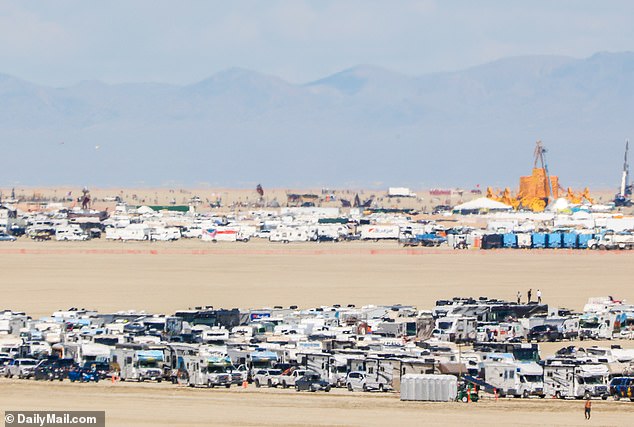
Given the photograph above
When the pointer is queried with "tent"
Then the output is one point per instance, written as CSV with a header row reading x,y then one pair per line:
x,y
482,204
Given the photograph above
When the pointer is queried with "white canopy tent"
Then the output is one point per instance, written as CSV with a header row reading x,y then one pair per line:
x,y
482,204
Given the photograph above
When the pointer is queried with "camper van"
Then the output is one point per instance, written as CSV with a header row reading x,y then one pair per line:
x,y
287,234
510,378
138,364
564,378
131,232
601,325
379,374
210,371
455,329
70,233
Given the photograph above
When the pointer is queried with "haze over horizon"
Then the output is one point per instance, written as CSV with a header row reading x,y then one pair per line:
x,y
455,93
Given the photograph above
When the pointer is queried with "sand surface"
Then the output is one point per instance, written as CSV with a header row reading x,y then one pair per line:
x,y
41,277
129,404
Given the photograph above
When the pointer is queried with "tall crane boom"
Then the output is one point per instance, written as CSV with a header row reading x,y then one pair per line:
x,y
625,189
540,155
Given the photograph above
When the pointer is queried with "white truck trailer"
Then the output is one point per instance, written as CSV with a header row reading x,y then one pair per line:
x,y
379,232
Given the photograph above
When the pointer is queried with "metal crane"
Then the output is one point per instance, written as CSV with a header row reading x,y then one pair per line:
x,y
540,155
623,196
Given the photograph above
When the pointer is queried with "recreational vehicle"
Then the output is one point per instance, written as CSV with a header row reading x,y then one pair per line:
x,y
565,378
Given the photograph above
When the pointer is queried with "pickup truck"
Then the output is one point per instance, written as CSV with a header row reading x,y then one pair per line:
x,y
270,377
289,378
21,368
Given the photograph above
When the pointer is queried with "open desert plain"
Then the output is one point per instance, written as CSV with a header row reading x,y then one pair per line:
x,y
162,277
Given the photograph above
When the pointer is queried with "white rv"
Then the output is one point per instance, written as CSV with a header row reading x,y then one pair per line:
x,y
456,329
138,364
210,371
288,234
131,232
70,233
379,374
165,234
563,378
512,378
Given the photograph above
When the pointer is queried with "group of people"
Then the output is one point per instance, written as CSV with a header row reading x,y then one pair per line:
x,y
529,294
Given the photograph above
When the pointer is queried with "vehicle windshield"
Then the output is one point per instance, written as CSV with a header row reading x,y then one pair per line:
x,y
217,369
444,325
148,364
588,324
29,362
526,354
594,380
596,351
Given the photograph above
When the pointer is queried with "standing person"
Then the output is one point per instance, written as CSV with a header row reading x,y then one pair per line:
x,y
529,294
519,297
588,408
539,296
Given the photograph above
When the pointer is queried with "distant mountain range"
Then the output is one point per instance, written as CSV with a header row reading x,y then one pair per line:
x,y
365,126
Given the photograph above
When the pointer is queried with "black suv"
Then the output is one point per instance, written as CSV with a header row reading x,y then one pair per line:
x,y
545,333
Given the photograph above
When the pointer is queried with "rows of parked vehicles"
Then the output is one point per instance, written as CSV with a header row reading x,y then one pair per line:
x,y
491,344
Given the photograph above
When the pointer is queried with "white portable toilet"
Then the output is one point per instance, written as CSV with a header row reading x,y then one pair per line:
x,y
425,387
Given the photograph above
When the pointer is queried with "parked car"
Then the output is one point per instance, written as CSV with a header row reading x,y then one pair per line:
x,y
622,387
101,368
288,378
270,377
83,375
5,358
355,381
312,382
545,333
21,368
4,237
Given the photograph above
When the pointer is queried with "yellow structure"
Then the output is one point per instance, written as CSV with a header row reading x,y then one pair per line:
x,y
539,189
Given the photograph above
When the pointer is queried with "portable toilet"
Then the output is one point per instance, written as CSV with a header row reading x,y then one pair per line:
x,y
554,240
570,240
538,240
583,240
510,240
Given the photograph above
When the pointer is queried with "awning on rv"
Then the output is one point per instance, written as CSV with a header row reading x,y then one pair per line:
x,y
452,368
150,355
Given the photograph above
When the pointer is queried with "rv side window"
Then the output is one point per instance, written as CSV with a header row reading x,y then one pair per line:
x,y
511,374
404,370
371,371
128,359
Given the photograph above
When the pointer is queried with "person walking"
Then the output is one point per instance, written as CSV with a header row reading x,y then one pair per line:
x,y
529,294
587,409
539,296
519,297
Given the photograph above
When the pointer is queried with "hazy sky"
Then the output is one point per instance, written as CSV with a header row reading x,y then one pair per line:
x,y
65,41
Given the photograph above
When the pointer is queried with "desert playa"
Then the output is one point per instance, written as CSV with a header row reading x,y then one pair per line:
x,y
40,277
